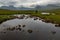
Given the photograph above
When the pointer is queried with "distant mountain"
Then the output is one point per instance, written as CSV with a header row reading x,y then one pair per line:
x,y
24,8
48,7
8,7
15,8
37,7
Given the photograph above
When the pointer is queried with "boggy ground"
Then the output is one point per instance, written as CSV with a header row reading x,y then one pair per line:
x,y
55,19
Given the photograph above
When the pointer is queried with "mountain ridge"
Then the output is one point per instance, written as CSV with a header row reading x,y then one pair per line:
x,y
37,7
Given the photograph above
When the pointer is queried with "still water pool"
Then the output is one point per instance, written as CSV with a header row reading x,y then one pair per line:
x,y
30,29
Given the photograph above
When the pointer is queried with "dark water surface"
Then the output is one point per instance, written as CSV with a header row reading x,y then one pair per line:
x,y
39,30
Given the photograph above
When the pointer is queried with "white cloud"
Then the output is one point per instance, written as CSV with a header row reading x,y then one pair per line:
x,y
27,3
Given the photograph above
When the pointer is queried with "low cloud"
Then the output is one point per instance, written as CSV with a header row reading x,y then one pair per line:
x,y
27,3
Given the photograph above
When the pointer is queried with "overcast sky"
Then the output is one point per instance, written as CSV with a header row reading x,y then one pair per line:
x,y
27,3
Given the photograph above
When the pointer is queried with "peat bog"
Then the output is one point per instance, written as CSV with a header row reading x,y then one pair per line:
x,y
28,28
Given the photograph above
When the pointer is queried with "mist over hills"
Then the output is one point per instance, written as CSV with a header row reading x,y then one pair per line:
x,y
37,7
47,7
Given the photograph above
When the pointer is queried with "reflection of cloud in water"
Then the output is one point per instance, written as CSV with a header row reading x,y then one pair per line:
x,y
0,39
22,27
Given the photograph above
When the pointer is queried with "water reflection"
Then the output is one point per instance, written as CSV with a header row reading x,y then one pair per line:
x,y
28,28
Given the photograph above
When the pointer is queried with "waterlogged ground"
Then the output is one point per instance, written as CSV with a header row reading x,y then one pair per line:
x,y
28,28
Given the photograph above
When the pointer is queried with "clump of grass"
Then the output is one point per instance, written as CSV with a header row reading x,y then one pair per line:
x,y
11,29
53,18
19,29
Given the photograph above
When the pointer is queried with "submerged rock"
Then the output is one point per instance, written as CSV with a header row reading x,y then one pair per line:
x,y
18,29
35,18
23,25
53,32
19,25
4,32
13,28
30,31
39,18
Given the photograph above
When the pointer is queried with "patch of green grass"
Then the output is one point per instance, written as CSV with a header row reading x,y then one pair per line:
x,y
54,18
4,14
5,17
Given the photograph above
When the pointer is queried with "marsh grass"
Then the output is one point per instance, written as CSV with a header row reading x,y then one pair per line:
x,y
5,18
5,15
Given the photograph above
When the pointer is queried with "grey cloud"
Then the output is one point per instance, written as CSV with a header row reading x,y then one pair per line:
x,y
27,3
